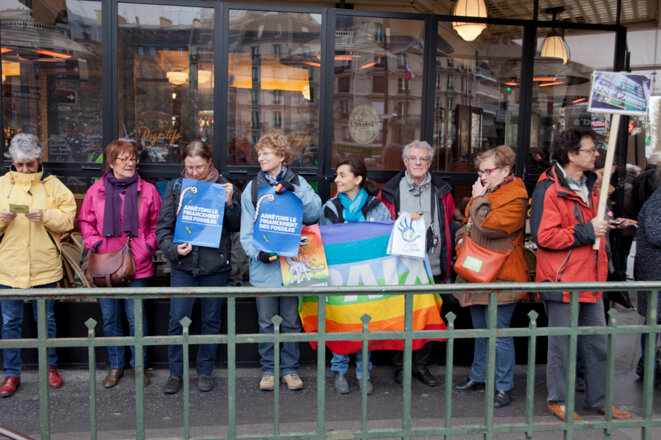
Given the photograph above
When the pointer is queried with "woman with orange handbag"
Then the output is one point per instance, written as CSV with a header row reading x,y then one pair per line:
x,y
495,217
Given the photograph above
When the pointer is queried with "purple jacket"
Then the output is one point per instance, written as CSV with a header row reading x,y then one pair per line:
x,y
90,223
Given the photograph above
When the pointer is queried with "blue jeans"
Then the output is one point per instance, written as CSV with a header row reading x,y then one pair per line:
x,y
504,347
12,321
340,364
287,308
111,309
211,309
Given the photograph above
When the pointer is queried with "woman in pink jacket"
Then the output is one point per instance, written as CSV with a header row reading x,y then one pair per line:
x,y
121,205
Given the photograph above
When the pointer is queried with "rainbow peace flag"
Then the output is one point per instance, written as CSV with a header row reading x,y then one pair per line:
x,y
356,256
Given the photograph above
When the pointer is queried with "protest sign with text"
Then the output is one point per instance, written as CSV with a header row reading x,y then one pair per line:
x,y
278,222
200,211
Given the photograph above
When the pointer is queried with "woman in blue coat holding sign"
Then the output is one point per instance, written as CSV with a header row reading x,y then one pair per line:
x,y
355,202
273,155
196,265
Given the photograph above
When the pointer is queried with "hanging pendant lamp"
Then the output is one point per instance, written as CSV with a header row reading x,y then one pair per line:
x,y
554,45
469,8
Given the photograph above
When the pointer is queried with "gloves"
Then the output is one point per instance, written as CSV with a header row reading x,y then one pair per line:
x,y
267,257
284,186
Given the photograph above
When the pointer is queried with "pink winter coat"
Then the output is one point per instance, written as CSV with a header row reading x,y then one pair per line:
x,y
90,222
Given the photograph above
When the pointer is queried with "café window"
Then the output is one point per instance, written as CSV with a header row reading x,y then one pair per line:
x,y
561,88
481,110
51,77
278,55
166,78
382,59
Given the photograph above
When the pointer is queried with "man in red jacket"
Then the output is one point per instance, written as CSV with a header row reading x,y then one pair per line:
x,y
417,191
564,224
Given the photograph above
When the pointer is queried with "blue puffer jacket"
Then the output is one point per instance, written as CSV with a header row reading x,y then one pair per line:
x,y
262,274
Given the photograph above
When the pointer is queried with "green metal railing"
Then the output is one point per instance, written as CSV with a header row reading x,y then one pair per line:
x,y
446,428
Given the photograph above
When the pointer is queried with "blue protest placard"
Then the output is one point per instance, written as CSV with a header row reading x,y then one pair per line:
x,y
278,222
623,93
200,211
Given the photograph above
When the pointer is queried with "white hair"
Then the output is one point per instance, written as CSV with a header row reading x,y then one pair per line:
x,y
25,146
418,144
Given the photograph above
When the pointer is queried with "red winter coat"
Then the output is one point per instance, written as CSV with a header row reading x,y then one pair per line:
x,y
561,227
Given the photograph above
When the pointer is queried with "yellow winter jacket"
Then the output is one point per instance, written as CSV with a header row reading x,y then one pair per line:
x,y
30,251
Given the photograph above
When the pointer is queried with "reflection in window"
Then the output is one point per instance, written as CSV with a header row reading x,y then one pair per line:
x,y
165,66
561,92
379,62
475,109
274,59
51,76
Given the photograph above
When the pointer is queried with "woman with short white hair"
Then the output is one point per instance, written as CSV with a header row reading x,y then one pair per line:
x,y
35,208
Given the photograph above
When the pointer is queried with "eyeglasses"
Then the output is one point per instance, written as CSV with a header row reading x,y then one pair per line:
x,y
487,172
197,169
417,159
123,160
589,150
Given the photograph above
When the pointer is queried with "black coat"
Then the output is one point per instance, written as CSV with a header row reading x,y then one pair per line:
x,y
648,248
201,260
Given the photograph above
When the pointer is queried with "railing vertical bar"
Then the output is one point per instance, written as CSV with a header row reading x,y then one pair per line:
x,y
648,363
185,346
364,374
42,335
530,377
449,368
231,367
610,371
408,356
574,309
277,320
321,365
139,369
492,325
91,358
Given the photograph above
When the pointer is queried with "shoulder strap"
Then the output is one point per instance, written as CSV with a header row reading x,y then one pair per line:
x,y
339,209
254,189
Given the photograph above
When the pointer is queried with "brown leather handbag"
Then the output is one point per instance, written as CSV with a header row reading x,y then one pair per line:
x,y
478,264
112,269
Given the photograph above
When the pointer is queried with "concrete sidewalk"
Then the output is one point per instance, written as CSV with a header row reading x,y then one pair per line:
x,y
298,409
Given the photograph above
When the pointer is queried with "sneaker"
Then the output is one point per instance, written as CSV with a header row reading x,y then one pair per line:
x,y
341,383
370,388
205,383
172,385
267,383
293,381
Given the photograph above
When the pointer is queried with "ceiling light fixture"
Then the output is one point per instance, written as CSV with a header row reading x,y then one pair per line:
x,y
554,45
469,8
53,54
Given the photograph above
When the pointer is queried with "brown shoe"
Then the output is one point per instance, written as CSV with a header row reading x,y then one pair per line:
x,y
293,381
618,414
112,378
9,386
559,411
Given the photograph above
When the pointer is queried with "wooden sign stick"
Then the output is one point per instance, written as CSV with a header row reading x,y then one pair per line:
x,y
608,170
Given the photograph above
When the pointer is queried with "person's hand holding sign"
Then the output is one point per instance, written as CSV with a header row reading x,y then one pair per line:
x,y
267,257
284,186
7,216
35,215
229,189
184,249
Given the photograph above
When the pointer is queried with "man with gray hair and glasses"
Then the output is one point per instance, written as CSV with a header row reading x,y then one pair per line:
x,y
417,191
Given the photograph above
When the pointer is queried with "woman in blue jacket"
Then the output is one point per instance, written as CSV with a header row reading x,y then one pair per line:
x,y
274,154
355,202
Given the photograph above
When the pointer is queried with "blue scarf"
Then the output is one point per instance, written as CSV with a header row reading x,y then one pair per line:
x,y
273,181
353,209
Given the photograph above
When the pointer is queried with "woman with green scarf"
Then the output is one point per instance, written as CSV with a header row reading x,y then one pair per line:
x,y
355,202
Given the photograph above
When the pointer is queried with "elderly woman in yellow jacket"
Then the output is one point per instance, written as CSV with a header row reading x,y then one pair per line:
x,y
35,208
